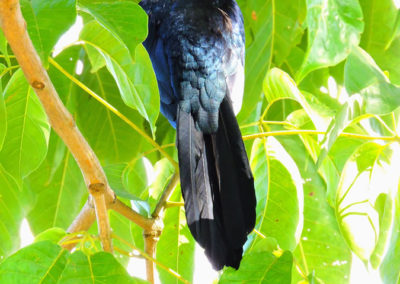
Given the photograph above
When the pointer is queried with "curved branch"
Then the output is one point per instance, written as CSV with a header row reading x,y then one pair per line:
x,y
14,29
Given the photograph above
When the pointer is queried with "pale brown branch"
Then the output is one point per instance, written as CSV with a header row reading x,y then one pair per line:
x,y
150,243
97,191
14,29
129,213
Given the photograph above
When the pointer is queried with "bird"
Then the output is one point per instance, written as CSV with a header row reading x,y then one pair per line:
x,y
197,51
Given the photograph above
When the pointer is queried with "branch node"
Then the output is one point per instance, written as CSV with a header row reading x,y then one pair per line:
x,y
154,232
37,84
97,188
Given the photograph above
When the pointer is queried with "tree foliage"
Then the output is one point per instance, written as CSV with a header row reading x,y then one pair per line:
x,y
320,121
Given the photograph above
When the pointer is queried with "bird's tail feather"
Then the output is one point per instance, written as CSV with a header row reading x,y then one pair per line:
x,y
217,186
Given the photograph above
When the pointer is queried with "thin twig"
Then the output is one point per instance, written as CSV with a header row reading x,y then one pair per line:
x,y
315,132
166,194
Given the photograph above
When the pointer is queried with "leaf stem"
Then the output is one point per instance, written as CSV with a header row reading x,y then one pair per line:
x,y
8,69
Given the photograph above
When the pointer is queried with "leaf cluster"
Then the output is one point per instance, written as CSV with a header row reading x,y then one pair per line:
x,y
320,121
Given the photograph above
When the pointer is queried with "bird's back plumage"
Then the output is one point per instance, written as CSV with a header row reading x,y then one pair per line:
x,y
197,51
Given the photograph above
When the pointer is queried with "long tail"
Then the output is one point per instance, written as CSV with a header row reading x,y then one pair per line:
x,y
217,186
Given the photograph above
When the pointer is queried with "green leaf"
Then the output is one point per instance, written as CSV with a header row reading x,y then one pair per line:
x,y
278,84
101,267
321,248
45,262
125,20
381,38
258,15
135,177
261,267
41,262
289,17
114,141
334,27
46,22
135,79
69,59
27,128
128,231
11,213
279,193
59,187
281,22
390,267
53,235
176,246
357,217
363,76
3,120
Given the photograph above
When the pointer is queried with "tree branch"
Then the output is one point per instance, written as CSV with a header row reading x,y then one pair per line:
x,y
97,191
14,28
129,213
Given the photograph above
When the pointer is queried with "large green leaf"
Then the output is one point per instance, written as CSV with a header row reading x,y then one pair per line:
x,y
125,20
101,267
128,180
135,79
261,267
381,38
279,193
11,213
273,28
3,120
69,59
134,177
334,27
357,204
47,21
288,28
176,246
27,128
322,249
278,84
112,139
59,188
258,15
45,262
42,262
363,76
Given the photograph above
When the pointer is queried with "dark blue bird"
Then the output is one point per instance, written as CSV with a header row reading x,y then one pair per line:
x,y
197,51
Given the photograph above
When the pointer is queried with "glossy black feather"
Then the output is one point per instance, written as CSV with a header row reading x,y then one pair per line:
x,y
197,51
